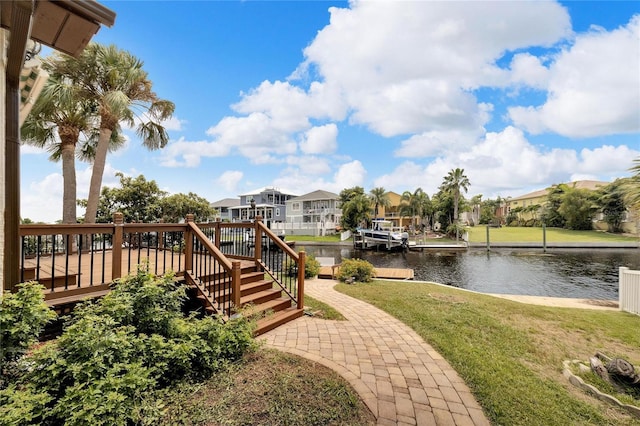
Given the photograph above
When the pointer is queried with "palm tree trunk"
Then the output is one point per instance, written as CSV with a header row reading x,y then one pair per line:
x,y
96,175
69,185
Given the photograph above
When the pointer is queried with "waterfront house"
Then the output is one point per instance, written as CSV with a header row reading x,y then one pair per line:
x,y
267,202
316,213
224,209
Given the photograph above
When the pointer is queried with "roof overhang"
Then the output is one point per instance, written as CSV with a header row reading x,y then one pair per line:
x,y
64,25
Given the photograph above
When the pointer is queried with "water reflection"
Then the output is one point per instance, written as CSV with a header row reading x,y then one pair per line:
x,y
559,273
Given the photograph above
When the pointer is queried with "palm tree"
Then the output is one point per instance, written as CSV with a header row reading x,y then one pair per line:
x,y
55,123
379,197
115,82
412,204
453,183
631,187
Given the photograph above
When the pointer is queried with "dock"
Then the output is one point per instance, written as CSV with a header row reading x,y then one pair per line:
x,y
330,273
435,247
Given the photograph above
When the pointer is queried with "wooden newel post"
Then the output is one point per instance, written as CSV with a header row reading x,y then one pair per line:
x,y
257,252
116,247
188,241
216,236
236,272
302,256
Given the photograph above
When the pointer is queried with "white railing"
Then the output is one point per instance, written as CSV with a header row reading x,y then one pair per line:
x,y
629,290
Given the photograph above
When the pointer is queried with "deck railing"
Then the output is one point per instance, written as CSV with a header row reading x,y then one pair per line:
x,y
629,290
81,258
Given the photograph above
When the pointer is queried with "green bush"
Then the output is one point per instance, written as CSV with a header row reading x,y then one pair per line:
x,y
23,315
358,269
115,357
311,267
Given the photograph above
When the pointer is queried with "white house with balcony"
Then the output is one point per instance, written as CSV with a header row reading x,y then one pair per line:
x,y
316,213
267,202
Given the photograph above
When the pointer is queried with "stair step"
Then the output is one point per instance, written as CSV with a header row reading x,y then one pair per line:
x,y
260,297
272,321
274,305
255,286
249,277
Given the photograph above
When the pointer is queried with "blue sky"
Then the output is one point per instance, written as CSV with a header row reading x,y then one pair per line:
x,y
308,95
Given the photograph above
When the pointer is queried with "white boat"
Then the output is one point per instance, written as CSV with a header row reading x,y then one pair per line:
x,y
382,234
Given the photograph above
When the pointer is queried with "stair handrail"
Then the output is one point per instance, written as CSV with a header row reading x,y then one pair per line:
x,y
298,258
231,268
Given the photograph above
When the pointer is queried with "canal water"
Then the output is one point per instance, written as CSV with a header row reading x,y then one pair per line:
x,y
589,274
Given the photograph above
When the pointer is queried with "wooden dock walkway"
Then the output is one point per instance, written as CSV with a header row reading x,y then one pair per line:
x,y
330,272
413,246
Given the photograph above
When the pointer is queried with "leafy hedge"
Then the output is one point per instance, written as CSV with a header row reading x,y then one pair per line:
x,y
117,357
356,269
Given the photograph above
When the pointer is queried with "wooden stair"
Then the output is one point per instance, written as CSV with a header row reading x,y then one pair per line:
x,y
259,298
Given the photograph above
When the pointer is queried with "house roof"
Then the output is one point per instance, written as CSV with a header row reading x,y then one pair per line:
x,y
65,25
580,184
226,202
268,189
317,195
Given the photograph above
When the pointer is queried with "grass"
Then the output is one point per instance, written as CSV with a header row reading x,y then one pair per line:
x,y
325,239
478,234
270,388
321,309
510,354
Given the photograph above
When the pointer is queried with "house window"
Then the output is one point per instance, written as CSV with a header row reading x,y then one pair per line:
x,y
277,212
295,206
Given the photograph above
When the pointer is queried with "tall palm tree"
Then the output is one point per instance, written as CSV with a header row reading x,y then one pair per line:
x,y
631,187
412,204
379,197
114,80
55,123
453,183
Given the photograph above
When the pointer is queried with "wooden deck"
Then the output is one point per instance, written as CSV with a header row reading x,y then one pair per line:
x,y
89,275
330,272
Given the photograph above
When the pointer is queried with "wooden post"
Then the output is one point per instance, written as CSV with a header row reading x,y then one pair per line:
x,y
544,238
216,231
236,273
116,248
188,241
488,243
303,257
257,251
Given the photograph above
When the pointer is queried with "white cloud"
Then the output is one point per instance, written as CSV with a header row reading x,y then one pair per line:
x,y
320,140
594,88
527,69
229,180
310,164
173,124
407,67
299,181
506,162
43,201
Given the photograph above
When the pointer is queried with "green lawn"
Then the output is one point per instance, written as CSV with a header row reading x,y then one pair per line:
x,y
478,234
510,354
325,239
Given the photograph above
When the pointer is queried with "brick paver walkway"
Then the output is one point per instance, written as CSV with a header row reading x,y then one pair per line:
x,y
402,379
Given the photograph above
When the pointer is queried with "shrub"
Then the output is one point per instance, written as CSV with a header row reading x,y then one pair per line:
x,y
359,269
23,315
311,267
116,356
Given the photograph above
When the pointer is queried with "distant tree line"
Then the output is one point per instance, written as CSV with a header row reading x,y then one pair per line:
x,y
565,206
140,200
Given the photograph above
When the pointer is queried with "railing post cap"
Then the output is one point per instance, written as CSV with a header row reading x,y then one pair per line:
x,y
118,218
190,217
